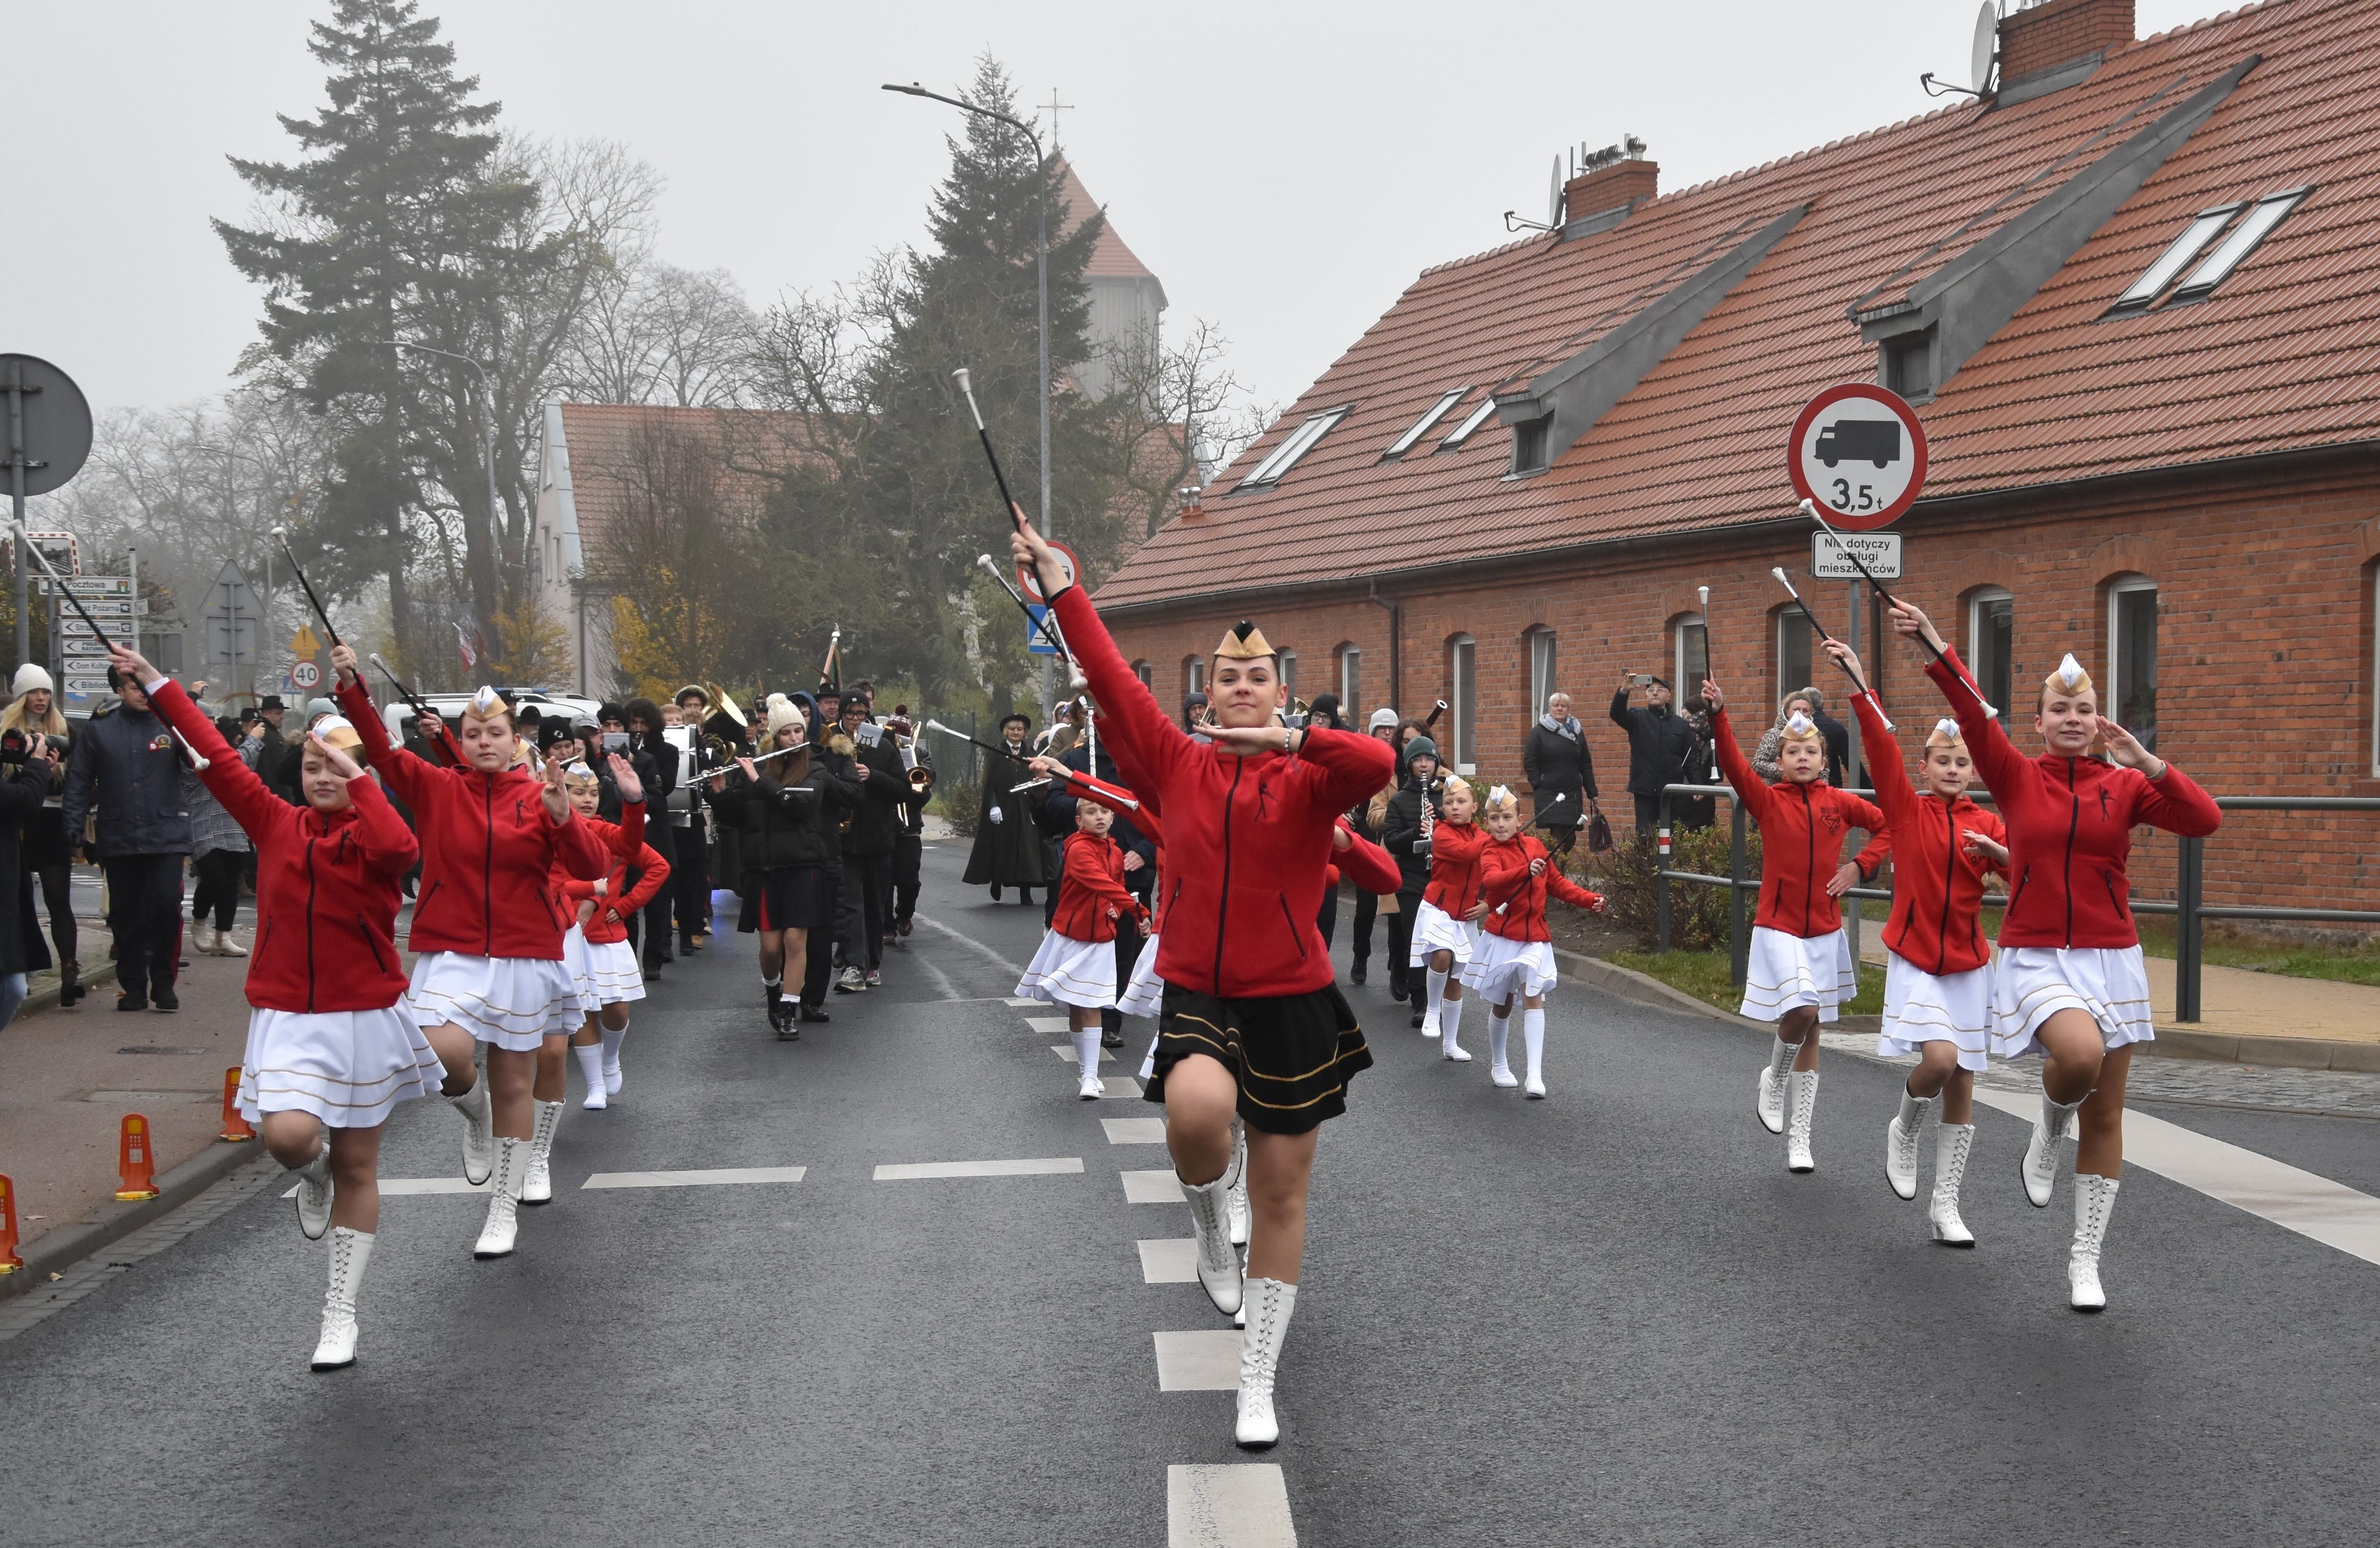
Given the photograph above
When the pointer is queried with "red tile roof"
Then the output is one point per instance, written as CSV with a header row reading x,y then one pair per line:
x,y
604,441
2285,355
1109,258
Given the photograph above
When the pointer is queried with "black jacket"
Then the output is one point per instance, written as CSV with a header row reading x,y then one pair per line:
x,y
1401,830
780,824
876,822
21,948
1007,853
1659,744
126,765
1558,766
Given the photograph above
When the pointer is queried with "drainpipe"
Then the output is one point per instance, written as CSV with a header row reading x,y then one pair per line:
x,y
1396,644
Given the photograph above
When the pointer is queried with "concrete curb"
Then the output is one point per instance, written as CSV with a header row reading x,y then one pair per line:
x,y
2171,1043
48,998
53,1250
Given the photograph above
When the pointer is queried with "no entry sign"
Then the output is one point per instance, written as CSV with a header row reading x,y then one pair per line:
x,y
1859,453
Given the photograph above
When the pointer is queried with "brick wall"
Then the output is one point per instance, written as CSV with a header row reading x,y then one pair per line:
x,y
1608,187
2062,31
2265,642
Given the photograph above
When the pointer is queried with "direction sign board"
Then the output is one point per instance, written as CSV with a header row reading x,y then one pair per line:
x,y
106,607
1858,451
89,586
87,688
1880,552
1030,583
83,645
76,625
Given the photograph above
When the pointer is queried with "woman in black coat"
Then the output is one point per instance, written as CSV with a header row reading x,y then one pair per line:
x,y
1560,771
22,951
1007,844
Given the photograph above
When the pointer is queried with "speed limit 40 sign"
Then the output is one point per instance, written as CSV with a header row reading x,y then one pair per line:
x,y
1859,452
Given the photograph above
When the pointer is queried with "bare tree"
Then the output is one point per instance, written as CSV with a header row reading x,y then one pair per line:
x,y
1176,412
654,333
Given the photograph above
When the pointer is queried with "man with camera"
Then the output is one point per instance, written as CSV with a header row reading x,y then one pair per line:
x,y
1659,743
126,767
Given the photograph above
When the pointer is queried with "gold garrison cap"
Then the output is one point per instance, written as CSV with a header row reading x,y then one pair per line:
x,y
1243,642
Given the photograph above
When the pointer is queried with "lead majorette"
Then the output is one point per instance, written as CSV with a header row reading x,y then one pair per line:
x,y
1516,956
331,1051
486,930
1253,1023
1800,969
1937,981
2070,983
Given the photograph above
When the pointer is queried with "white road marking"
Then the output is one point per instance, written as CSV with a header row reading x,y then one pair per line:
x,y
942,979
1173,1261
700,1178
973,945
1134,1131
1049,1023
1121,1087
1202,1361
1106,1056
2313,1206
902,1170
1228,1504
1024,1005
1159,1187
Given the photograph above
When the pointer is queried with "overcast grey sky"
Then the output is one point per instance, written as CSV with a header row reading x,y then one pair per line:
x,y
1286,169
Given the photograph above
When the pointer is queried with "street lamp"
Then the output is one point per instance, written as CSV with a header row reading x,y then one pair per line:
x,y
1041,268
488,396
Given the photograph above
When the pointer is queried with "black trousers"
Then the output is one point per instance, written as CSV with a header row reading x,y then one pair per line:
x,y
817,968
1367,908
1327,920
219,872
662,838
1401,936
866,904
689,883
57,894
908,875
1648,812
144,909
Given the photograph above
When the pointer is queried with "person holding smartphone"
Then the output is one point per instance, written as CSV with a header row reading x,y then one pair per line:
x,y
1659,742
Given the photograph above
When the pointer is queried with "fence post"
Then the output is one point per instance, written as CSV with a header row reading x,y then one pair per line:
x,y
1739,947
2188,935
1661,877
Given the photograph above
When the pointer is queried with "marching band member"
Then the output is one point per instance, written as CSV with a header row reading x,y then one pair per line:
x,y
1801,964
486,928
1445,926
1076,966
601,911
1253,1022
2070,983
1399,827
1938,983
787,836
331,1051
1517,961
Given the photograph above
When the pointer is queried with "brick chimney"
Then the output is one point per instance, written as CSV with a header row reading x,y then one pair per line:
x,y
2061,32
1608,187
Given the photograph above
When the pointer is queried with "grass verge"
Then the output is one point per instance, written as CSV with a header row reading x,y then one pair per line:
x,y
2223,948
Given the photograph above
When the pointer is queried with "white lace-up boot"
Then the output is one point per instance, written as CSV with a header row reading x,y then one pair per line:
x,y
1238,1207
350,1250
1951,1143
1270,1304
478,1130
1770,1105
537,1187
2095,1199
1901,1143
1802,1092
2041,1153
1219,1266
314,1193
504,1203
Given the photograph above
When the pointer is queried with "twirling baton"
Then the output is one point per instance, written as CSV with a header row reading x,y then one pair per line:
x,y
1039,621
995,751
25,541
1853,554
454,748
966,390
1857,687
1702,592
281,535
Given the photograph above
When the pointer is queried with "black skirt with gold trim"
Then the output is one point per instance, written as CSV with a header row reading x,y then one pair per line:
x,y
1293,1055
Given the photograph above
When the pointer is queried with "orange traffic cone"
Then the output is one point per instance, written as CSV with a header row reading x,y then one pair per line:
x,y
138,1166
9,1262
235,1128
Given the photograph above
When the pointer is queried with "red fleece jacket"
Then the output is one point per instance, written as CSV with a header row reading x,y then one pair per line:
x,y
1516,901
1093,893
620,902
1802,832
1937,887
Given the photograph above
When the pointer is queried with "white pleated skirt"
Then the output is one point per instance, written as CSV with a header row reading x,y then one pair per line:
x,y
1920,1007
1070,972
349,1067
2031,983
513,1003
573,961
611,966
1435,930
1144,995
1505,968
1785,971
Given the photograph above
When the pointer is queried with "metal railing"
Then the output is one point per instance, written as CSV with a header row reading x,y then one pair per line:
x,y
2190,909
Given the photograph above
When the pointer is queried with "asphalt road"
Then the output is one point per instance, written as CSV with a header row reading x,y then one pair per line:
x,y
1612,1317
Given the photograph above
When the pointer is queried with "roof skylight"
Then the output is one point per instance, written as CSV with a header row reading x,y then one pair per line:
x,y
2152,284
1471,421
2270,211
2263,214
1284,456
1437,412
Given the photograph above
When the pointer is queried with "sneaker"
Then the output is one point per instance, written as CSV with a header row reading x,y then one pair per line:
x,y
164,997
875,978
850,981
1092,1087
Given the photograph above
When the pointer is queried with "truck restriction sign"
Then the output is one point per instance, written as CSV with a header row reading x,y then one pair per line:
x,y
1859,453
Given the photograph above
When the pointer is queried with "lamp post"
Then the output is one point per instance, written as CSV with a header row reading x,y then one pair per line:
x,y
1041,271
488,396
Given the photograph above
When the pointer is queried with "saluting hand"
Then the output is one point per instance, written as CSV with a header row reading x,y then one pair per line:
x,y
1985,847
1249,740
341,764
2126,749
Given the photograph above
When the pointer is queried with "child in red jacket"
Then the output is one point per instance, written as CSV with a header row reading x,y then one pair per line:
x,y
1445,926
1516,960
1937,982
1800,968
597,941
1075,967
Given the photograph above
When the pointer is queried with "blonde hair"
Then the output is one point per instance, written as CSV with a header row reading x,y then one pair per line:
x,y
12,717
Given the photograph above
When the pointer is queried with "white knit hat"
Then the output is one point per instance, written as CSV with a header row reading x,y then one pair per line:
x,y
30,676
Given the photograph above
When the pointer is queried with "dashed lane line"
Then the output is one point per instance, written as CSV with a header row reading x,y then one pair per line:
x,y
1205,1361
1134,1131
1153,1188
1121,1087
704,1178
905,1171
1106,1056
973,945
399,1187
1170,1260
1022,1003
1228,1504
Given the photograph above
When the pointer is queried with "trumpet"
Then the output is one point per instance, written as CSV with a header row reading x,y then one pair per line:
x,y
920,777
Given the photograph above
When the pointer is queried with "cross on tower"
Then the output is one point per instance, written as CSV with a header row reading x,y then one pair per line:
x,y
1053,106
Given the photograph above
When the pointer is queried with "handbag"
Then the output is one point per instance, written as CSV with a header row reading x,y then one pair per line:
x,y
1599,832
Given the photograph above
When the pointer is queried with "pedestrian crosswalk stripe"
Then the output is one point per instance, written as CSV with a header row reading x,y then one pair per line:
x,y
1134,1131
1228,1504
716,1175
1050,1023
1122,1088
2310,1205
1065,1053
1023,1003
907,1170
397,1188
1159,1187
1207,1360
1173,1261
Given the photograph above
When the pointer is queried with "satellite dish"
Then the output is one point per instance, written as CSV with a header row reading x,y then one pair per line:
x,y
1987,38
1554,196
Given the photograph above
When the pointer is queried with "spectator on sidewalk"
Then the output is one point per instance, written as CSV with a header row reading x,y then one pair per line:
x,y
1560,771
1832,731
126,768
1659,742
26,785
221,852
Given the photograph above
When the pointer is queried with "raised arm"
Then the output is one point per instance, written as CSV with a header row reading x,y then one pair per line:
x,y
230,781
1133,718
1570,891
654,873
388,844
410,778
1758,800
1895,792
1353,764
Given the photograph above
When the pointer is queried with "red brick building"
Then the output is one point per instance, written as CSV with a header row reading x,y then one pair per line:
x,y
2134,293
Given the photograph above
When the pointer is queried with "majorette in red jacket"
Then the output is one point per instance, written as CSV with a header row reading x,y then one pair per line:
x,y
1516,900
620,902
488,849
326,882
1802,832
2069,829
1937,887
1093,893
1365,863
1248,838
1455,853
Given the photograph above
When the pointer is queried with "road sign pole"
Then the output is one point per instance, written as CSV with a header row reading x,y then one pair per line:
x,y
16,498
1850,774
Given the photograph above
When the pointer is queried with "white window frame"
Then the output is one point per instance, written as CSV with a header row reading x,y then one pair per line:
x,y
1195,675
1545,659
1470,425
2260,222
1789,617
1351,681
1462,711
1685,691
1421,427
1285,667
1292,448
1145,672
1976,660
2376,671
2201,229
2112,703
